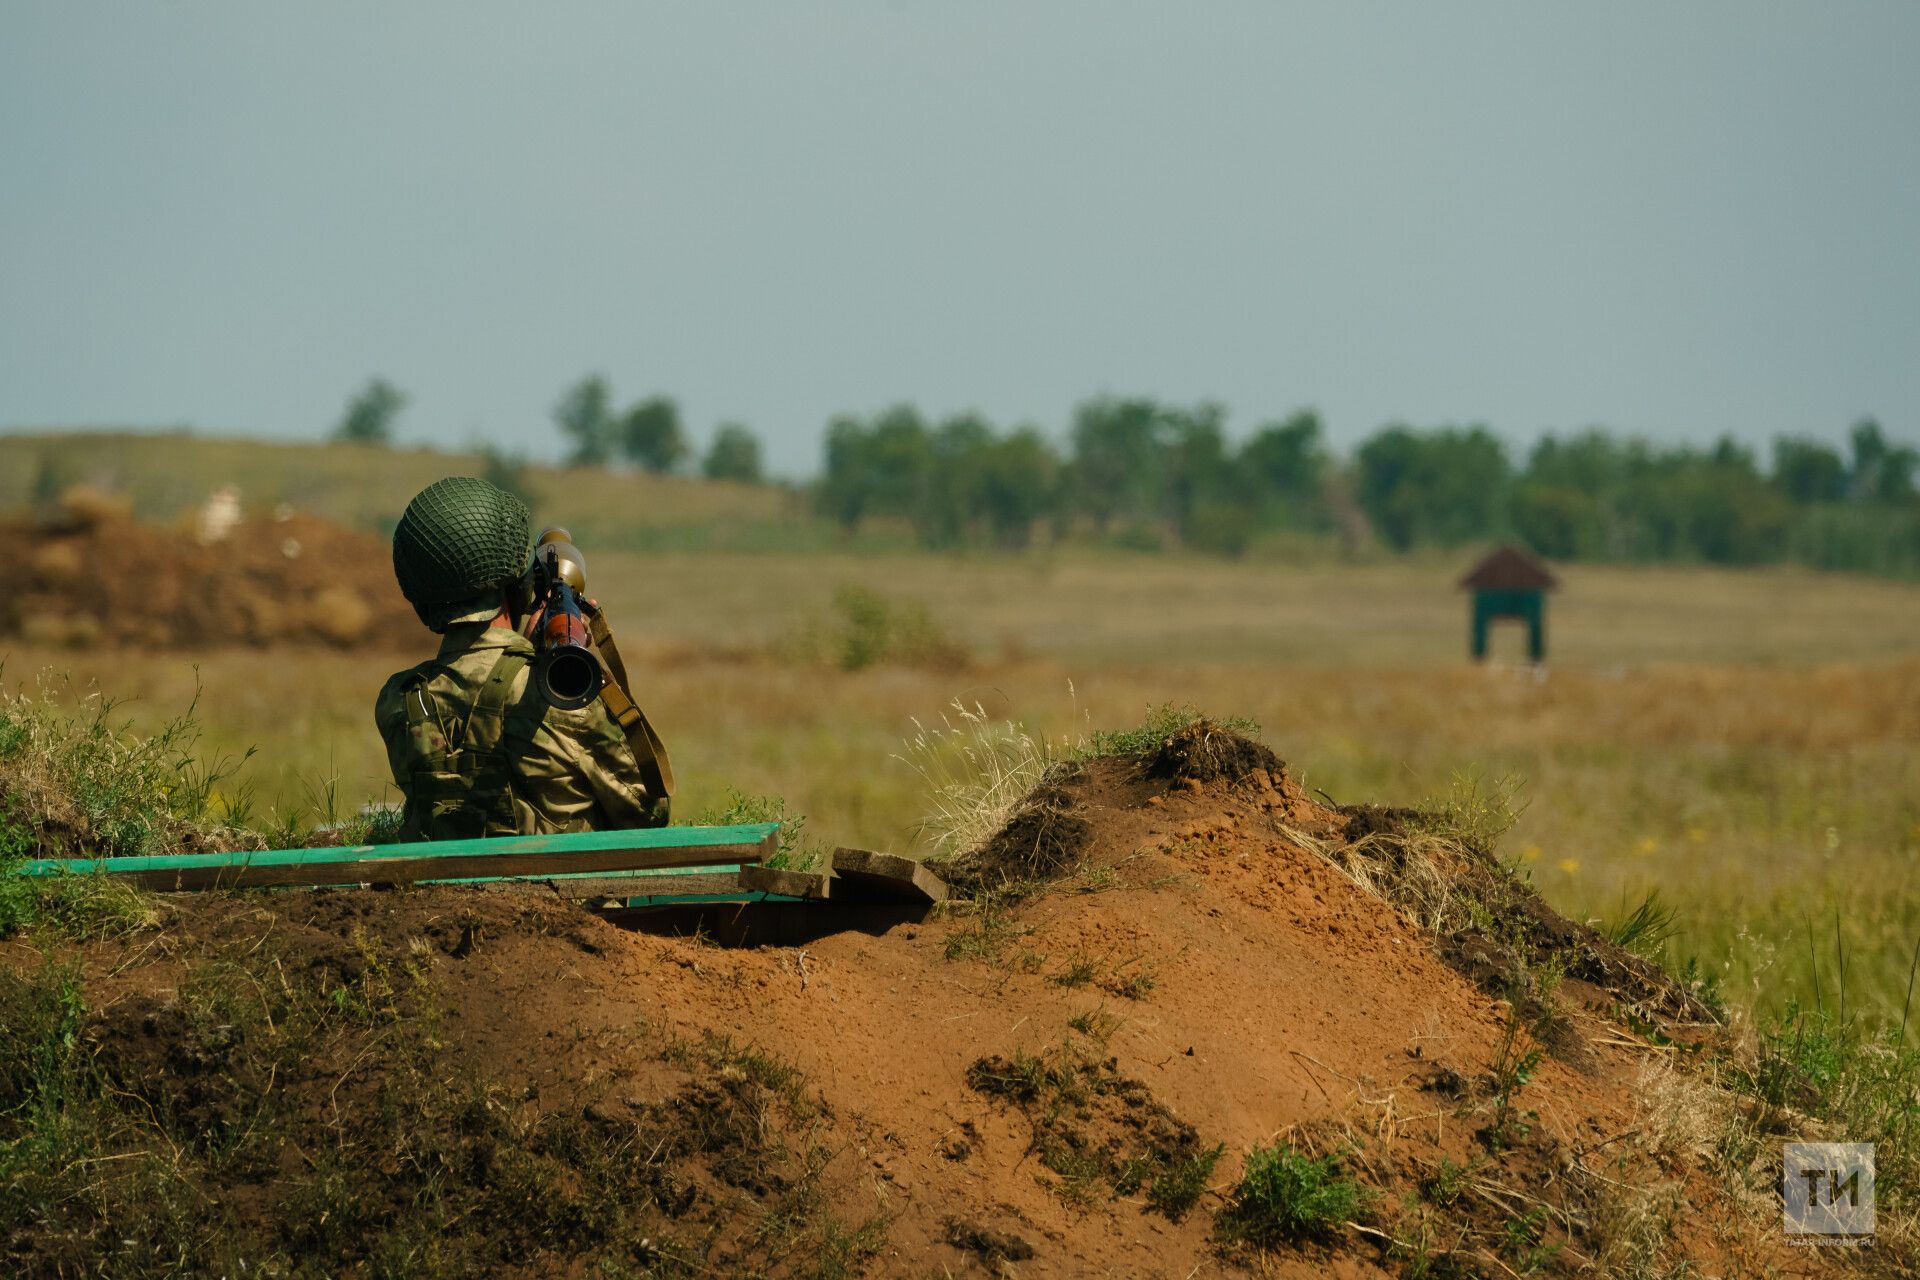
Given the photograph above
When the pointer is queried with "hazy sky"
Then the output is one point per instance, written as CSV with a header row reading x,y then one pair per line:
x,y
1679,219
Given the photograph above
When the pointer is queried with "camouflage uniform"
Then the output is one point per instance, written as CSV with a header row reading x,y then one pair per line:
x,y
475,748
470,764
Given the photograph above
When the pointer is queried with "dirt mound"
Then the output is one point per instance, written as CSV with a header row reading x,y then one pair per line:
x,y
95,577
1217,1030
1205,752
1043,838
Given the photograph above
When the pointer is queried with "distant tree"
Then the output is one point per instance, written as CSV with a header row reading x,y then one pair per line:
x,y
507,471
1713,505
733,455
1566,504
1439,487
1808,471
882,467
1019,484
1201,495
650,435
1881,471
585,417
370,413
1286,465
1116,460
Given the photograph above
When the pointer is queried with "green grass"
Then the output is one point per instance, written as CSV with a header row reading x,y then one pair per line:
x,y
76,781
1161,723
1285,1196
1174,1191
1647,929
796,851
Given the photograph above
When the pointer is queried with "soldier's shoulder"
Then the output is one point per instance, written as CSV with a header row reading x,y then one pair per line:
x,y
388,703
588,724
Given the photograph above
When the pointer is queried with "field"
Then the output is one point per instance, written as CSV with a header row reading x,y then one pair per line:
x,y
1748,744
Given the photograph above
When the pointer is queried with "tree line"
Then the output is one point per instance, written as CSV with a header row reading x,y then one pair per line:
x,y
1138,472
647,434
1142,473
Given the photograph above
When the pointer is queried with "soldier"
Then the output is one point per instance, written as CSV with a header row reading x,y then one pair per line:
x,y
474,747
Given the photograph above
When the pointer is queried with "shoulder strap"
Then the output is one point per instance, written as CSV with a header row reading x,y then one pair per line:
x,y
492,699
656,770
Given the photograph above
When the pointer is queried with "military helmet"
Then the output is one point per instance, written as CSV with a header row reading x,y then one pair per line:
x,y
459,539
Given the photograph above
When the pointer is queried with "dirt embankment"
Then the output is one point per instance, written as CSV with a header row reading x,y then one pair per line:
x,y
1059,1080
91,576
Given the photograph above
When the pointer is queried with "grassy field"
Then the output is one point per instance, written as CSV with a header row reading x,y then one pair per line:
x,y
166,474
1747,743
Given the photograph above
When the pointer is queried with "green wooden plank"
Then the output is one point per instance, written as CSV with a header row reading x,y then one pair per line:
x,y
524,857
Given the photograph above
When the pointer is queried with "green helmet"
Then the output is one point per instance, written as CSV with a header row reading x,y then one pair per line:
x,y
460,539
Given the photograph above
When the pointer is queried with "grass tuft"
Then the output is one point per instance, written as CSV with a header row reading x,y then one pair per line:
x,y
1285,1196
1646,929
1162,722
796,851
977,771
75,782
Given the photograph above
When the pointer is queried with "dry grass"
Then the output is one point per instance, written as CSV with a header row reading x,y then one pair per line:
x,y
976,771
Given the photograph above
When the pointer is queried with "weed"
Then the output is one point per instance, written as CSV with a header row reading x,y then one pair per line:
x,y
1078,973
1096,879
1175,1190
866,628
1646,929
1132,985
1522,1241
83,785
1162,722
1706,987
1285,1196
1445,1185
717,1052
988,929
795,851
1514,1062
1095,1129
75,782
1095,1024
1476,810
1022,1078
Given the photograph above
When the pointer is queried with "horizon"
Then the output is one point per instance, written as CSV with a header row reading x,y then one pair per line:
x,y
1518,448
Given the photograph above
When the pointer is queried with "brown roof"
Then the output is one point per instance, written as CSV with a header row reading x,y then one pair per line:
x,y
1510,569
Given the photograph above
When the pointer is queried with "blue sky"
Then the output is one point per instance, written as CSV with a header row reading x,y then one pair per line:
x,y
1679,220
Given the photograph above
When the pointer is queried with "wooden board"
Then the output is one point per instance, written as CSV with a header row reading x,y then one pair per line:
x,y
496,858
812,886
864,876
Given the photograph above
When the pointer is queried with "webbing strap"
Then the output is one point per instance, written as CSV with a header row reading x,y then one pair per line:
x,y
492,700
656,770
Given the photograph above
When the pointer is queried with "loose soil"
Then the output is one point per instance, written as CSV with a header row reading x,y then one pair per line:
x,y
107,580
1019,1086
